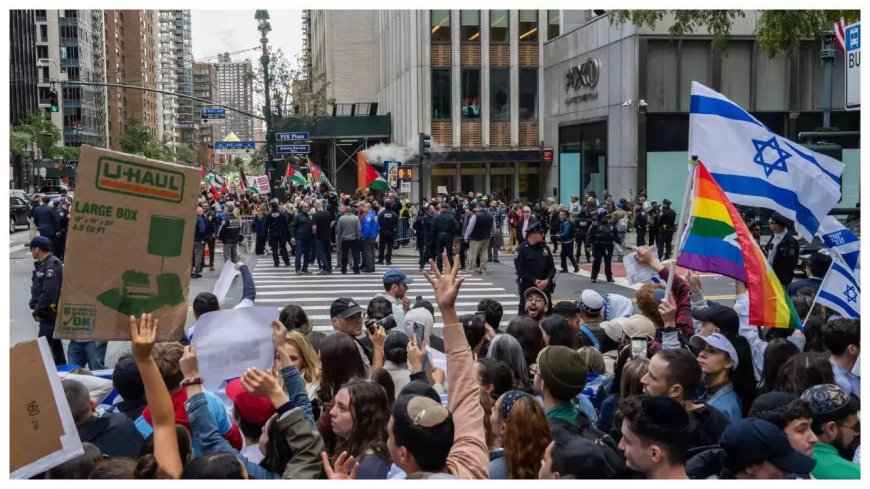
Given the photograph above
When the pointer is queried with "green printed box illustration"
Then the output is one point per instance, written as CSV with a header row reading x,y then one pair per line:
x,y
78,318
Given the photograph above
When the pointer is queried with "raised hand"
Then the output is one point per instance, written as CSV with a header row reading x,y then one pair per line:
x,y
143,334
344,468
694,279
279,334
260,383
668,311
445,285
189,362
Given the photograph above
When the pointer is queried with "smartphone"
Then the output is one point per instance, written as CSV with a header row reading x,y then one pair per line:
x,y
419,331
638,347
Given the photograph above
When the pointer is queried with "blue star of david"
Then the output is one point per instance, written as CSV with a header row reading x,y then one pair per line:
x,y
778,164
851,295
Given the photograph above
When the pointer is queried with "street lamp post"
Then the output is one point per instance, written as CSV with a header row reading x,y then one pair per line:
x,y
262,17
828,53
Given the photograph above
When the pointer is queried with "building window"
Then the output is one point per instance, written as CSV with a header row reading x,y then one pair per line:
x,y
499,20
553,19
470,29
499,92
440,94
528,26
529,93
471,93
440,25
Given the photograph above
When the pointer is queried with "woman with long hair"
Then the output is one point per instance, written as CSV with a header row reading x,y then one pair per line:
x,y
507,349
775,355
340,362
302,355
520,426
528,333
804,370
359,419
729,379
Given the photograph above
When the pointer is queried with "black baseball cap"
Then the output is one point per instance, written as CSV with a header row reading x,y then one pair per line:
x,y
344,307
723,317
752,440
40,242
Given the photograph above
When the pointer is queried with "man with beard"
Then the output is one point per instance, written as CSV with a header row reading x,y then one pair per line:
x,y
534,265
537,303
836,424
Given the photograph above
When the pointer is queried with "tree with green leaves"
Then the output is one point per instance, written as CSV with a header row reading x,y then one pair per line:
x,y
138,140
40,131
776,30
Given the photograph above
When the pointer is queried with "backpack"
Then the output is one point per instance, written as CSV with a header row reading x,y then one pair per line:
x,y
616,468
622,225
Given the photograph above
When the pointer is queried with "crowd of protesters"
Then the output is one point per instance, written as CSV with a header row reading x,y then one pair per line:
x,y
602,387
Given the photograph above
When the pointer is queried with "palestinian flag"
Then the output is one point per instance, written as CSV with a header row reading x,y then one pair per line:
x,y
374,180
294,176
214,185
318,175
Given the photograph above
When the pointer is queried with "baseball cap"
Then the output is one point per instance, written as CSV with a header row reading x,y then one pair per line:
x,y
591,302
344,307
535,290
778,218
722,317
40,242
771,400
752,440
254,409
578,457
633,326
396,276
717,341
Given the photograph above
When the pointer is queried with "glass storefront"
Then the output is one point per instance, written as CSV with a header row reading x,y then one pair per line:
x,y
582,159
503,179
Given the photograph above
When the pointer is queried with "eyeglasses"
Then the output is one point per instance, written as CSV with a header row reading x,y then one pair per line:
x,y
536,299
855,428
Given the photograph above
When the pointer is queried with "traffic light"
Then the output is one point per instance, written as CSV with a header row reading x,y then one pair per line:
x,y
425,144
52,100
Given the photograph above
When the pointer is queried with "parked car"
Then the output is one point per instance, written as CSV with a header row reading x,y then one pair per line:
x,y
20,194
17,213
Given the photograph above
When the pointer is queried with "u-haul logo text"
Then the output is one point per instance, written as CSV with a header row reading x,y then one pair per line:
x,y
127,177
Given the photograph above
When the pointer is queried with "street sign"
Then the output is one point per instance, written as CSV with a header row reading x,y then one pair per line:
x,y
294,149
234,145
853,66
213,111
405,187
291,136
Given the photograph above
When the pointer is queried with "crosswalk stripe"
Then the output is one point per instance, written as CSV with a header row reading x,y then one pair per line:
x,y
362,290
333,286
509,298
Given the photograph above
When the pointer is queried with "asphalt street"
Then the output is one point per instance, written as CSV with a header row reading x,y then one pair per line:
x,y
280,286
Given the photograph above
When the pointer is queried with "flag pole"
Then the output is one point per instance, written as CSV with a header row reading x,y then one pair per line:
x,y
681,227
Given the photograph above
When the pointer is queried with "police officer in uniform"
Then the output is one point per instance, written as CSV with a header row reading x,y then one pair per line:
x,y
534,264
582,224
640,223
46,220
667,222
782,250
45,293
231,227
653,223
277,230
601,237
388,222
63,219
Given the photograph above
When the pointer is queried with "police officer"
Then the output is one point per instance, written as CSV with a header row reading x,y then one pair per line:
x,y
228,233
211,226
653,214
640,223
277,230
534,264
62,211
45,292
667,221
444,230
582,224
601,237
388,222
46,220
782,250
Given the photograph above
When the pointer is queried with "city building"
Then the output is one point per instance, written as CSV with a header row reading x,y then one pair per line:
x,y
176,75
83,57
616,102
130,60
23,90
235,88
341,45
205,87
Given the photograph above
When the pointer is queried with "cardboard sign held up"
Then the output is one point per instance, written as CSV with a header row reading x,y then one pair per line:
x,y
42,432
129,246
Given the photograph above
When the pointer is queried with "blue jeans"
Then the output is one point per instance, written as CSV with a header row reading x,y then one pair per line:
x,y
84,353
324,253
302,245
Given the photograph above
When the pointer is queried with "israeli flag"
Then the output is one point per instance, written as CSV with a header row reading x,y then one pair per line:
x,y
756,167
840,241
840,290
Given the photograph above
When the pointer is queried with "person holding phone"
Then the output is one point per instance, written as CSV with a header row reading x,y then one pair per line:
x,y
396,285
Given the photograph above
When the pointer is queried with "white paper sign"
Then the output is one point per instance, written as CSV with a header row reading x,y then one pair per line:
x,y
225,281
405,187
442,189
230,341
636,271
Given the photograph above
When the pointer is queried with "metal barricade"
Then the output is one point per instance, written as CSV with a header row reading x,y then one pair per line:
x,y
247,236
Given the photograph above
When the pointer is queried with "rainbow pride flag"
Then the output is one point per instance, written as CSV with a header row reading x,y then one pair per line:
x,y
718,241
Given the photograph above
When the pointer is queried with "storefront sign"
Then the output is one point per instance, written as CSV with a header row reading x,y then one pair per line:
x,y
583,75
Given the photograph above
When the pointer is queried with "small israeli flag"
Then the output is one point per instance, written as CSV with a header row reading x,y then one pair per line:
x,y
840,290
